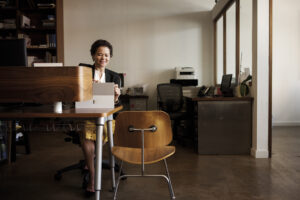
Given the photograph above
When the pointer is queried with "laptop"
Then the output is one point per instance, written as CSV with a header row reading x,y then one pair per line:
x,y
103,97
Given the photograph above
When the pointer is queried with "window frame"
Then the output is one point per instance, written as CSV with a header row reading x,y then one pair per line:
x,y
237,39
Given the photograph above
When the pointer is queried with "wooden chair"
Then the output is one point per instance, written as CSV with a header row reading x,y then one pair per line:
x,y
142,137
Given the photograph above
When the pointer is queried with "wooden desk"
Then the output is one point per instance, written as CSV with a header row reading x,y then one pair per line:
x,y
221,125
8,113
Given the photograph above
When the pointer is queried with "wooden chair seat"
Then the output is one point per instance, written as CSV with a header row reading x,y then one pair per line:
x,y
151,155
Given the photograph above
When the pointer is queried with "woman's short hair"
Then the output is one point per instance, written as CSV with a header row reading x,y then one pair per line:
x,y
99,43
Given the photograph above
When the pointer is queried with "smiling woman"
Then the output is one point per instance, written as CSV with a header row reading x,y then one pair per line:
x,y
101,52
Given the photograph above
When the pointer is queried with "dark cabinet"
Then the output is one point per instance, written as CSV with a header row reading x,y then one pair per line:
x,y
222,125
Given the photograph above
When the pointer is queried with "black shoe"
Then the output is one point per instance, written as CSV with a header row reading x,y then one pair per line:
x,y
88,194
85,180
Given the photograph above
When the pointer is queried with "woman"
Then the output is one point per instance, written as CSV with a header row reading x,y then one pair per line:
x,y
101,52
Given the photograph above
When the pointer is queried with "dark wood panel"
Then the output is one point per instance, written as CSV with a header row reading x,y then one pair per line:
x,y
45,84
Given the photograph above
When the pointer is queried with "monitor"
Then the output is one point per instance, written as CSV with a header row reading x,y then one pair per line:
x,y
13,52
226,85
226,81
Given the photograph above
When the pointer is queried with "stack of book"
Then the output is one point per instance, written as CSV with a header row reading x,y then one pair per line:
x,y
51,40
9,23
49,58
48,23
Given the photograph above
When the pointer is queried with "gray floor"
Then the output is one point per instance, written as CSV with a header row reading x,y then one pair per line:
x,y
193,176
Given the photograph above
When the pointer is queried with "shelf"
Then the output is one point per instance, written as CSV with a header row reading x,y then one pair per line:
x,y
7,29
37,17
8,9
38,29
41,48
37,9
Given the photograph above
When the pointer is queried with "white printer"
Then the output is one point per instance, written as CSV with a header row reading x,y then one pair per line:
x,y
184,73
185,76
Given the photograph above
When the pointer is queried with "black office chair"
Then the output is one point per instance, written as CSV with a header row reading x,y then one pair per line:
x,y
74,137
170,100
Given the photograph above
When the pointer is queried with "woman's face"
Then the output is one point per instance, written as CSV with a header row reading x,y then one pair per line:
x,y
101,57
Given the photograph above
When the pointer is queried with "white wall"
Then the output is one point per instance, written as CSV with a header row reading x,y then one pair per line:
x,y
286,62
150,38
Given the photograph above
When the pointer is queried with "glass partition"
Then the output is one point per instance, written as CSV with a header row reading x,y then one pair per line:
x,y
231,41
245,37
219,50
227,41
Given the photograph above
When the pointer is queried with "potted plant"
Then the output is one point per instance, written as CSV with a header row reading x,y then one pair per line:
x,y
244,88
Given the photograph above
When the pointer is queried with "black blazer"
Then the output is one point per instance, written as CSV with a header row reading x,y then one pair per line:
x,y
110,76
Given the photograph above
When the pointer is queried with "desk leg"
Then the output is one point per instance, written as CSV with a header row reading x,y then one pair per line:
x,y
98,170
111,144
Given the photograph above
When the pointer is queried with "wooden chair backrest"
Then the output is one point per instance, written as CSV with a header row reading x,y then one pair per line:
x,y
143,119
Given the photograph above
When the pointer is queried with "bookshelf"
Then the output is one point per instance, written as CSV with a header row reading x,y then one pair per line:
x,y
40,22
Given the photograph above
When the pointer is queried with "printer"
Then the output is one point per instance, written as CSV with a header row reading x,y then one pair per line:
x,y
184,73
185,76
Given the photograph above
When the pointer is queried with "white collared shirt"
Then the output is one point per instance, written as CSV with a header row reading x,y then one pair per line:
x,y
97,77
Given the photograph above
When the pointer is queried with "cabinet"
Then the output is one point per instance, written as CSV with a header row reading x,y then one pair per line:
x,y
39,22
134,102
221,125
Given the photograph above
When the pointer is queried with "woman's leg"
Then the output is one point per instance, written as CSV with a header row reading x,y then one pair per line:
x,y
88,147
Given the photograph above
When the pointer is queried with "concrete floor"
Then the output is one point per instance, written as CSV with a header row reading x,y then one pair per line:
x,y
193,176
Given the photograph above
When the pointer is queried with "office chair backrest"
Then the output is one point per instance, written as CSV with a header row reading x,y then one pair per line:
x,y
142,119
170,97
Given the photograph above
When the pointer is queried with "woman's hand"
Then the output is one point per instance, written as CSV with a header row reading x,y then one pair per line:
x,y
117,92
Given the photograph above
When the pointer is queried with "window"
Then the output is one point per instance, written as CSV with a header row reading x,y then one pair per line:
x,y
233,40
